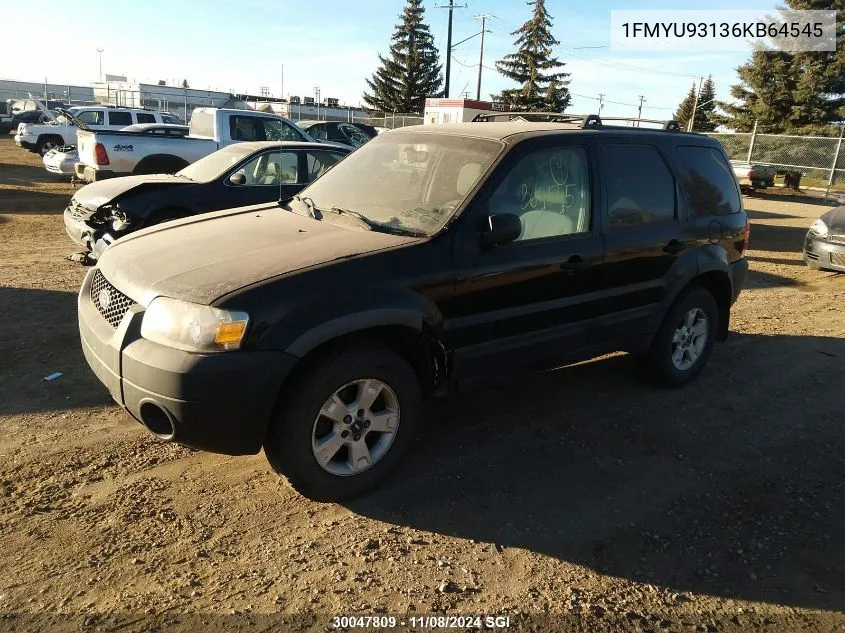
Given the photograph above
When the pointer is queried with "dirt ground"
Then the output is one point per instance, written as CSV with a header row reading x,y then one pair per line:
x,y
582,499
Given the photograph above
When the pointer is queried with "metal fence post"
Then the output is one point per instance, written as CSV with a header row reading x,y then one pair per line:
x,y
835,161
753,139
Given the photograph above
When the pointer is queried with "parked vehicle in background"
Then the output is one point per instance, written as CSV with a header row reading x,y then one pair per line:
x,y
824,246
29,116
235,176
104,154
61,131
5,117
430,257
62,161
352,134
753,176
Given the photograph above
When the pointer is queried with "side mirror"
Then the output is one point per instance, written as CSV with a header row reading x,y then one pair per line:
x,y
500,229
237,179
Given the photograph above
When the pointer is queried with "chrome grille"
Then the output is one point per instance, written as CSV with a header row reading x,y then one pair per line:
x,y
110,302
837,259
837,237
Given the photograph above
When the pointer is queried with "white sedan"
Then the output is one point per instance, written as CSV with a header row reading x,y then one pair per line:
x,y
61,161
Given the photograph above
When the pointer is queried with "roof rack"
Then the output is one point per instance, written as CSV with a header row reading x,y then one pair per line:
x,y
669,125
593,121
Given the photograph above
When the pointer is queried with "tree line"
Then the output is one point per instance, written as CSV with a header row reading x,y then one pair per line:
x,y
784,92
411,70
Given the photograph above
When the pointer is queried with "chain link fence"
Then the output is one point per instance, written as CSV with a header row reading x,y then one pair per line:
x,y
391,121
819,160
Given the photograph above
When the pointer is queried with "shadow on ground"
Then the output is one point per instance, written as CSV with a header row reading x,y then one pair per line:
x,y
16,201
791,197
732,486
39,337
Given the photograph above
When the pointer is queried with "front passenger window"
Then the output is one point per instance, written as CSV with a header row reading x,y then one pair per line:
x,y
549,190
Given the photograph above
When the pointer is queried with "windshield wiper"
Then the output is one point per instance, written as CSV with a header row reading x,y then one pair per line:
x,y
309,204
362,219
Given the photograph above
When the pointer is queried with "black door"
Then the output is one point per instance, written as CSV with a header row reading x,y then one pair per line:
x,y
647,244
529,300
268,176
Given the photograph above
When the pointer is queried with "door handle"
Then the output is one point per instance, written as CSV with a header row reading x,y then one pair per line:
x,y
575,262
673,247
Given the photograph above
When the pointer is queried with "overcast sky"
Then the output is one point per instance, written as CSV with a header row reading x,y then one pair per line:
x,y
244,44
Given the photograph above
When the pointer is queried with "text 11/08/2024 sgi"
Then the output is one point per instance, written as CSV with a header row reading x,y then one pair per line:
x,y
473,622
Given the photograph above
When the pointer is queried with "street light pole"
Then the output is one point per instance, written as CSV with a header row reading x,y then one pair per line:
x,y
483,17
100,53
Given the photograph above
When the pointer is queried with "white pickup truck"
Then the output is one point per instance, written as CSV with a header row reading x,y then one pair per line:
x,y
104,154
61,131
753,176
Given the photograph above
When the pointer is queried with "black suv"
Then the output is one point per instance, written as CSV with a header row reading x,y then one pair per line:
x,y
431,256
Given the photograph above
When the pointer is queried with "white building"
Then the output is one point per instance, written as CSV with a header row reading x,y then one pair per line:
x,y
457,110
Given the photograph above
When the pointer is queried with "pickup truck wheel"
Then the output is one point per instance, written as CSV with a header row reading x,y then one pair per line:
x,y
683,345
344,423
45,144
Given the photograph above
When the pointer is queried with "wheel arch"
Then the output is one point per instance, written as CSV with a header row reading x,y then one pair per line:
x,y
156,159
403,331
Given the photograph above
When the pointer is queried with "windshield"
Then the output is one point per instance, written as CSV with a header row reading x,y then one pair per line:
x,y
409,181
215,165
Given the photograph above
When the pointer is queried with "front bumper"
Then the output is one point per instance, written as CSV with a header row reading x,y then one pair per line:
x,y
215,402
62,167
21,141
823,253
77,230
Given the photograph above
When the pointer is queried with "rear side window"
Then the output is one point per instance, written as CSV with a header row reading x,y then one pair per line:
x,y
145,117
710,184
120,118
169,118
640,187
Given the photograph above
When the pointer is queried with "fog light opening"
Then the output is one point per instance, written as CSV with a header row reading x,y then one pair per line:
x,y
157,420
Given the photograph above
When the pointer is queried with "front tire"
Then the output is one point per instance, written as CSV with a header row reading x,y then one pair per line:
x,y
683,345
46,144
344,422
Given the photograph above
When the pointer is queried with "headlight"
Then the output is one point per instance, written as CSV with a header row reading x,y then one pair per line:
x,y
24,132
819,228
191,327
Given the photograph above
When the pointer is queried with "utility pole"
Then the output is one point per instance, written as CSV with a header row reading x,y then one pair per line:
x,y
695,104
451,7
100,53
601,102
483,17
283,81
317,100
640,110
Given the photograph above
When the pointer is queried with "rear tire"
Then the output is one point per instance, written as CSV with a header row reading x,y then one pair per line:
x,y
683,344
322,402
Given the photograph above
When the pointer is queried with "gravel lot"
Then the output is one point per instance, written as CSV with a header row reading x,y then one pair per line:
x,y
582,499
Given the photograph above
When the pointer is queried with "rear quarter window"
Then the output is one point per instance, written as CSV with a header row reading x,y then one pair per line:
x,y
145,117
709,182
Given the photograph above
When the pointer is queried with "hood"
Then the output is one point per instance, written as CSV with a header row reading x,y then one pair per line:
x,y
97,194
835,220
202,258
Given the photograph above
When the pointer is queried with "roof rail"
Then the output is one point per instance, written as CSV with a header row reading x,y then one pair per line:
x,y
670,126
584,120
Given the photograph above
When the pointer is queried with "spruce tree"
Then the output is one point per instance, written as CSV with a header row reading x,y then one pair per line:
x,y
533,66
705,120
795,93
684,112
411,70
